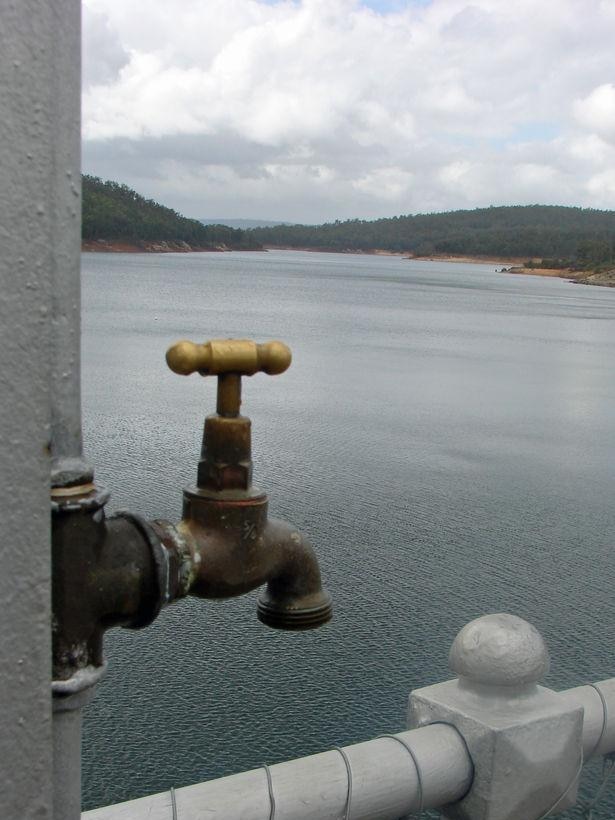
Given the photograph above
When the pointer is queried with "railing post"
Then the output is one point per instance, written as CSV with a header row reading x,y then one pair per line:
x,y
525,741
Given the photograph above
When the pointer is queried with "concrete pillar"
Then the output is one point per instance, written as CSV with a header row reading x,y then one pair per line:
x,y
39,238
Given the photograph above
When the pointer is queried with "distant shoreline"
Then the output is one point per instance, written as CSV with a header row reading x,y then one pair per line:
x,y
516,264
604,279
143,246
480,260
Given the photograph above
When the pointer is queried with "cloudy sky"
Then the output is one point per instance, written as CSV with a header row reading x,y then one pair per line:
x,y
314,110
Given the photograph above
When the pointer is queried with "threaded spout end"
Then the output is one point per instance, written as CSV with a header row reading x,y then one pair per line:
x,y
295,615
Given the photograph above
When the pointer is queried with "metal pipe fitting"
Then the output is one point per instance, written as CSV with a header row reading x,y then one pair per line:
x,y
106,572
121,570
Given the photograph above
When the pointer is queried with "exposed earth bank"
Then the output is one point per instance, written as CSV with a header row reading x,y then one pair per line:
x,y
145,246
140,246
602,278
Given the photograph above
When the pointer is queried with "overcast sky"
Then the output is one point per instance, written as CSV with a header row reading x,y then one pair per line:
x,y
316,110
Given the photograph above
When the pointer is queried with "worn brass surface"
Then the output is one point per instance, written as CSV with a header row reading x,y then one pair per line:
x,y
226,455
226,462
228,356
239,548
229,395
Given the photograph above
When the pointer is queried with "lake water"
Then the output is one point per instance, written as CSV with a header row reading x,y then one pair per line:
x,y
446,438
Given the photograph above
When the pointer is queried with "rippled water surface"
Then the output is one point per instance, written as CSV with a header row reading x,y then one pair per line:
x,y
446,438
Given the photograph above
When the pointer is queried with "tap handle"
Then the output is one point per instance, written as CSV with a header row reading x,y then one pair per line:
x,y
219,356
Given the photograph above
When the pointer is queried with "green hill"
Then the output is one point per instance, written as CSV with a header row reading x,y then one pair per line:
x,y
114,212
583,237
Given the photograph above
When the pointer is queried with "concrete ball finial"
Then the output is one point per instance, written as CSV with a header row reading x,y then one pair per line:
x,y
499,650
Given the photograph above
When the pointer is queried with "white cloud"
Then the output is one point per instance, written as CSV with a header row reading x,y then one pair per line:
x,y
602,185
591,151
386,183
104,55
597,111
455,172
334,110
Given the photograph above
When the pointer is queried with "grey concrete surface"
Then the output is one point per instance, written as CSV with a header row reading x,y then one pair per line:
x,y
39,239
525,741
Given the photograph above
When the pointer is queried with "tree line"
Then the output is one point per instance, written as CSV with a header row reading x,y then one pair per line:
x,y
113,211
577,237
556,236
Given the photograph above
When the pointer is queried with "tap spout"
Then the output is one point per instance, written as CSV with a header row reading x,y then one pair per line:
x,y
294,597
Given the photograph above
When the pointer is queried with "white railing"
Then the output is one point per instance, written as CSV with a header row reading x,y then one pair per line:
x,y
495,744
383,777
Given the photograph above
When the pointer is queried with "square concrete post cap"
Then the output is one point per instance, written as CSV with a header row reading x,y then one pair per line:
x,y
524,740
499,650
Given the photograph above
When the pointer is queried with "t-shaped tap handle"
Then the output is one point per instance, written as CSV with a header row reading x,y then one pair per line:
x,y
240,356
226,461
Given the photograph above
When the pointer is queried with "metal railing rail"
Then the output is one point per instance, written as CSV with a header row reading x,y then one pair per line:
x,y
428,767
385,784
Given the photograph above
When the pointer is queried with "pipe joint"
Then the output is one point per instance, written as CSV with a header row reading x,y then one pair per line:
x,y
108,571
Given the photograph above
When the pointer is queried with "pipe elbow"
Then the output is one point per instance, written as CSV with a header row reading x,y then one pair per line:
x,y
294,598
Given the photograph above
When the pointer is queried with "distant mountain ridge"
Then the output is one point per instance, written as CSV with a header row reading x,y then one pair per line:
x,y
562,235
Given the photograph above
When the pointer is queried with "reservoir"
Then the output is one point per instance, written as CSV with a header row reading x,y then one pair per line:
x,y
445,437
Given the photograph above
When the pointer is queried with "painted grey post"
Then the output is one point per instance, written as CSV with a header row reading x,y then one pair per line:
x,y
39,340
68,466
27,162
65,383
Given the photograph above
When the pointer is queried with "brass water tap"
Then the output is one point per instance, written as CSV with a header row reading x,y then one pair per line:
x,y
234,546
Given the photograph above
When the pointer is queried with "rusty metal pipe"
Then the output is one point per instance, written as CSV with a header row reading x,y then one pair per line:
x,y
106,572
121,570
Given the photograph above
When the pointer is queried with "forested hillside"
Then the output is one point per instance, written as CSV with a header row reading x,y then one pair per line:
x,y
582,236
111,211
563,237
